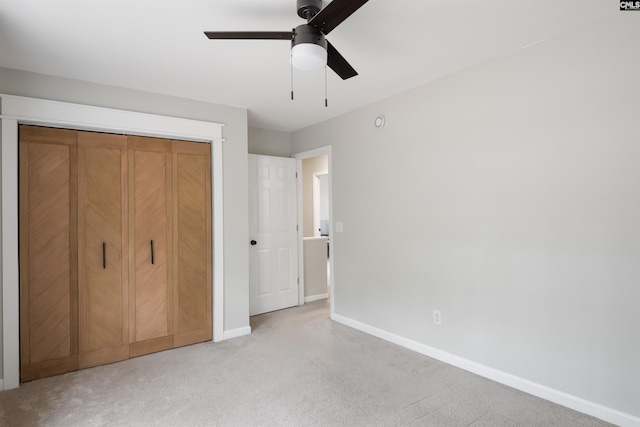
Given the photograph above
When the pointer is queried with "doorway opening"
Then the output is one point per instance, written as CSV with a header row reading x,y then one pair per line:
x,y
315,234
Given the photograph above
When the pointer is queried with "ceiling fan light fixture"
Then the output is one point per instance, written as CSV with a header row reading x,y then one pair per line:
x,y
308,48
308,56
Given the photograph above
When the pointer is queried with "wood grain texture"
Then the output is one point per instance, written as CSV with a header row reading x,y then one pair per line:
x,y
79,190
48,304
150,346
151,297
103,278
48,368
192,242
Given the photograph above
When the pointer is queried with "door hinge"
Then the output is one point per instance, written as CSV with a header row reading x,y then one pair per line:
x,y
296,174
298,280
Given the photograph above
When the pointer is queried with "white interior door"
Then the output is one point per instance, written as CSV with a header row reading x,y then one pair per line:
x,y
273,252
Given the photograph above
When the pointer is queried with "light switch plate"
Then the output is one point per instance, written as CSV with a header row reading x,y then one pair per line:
x,y
339,227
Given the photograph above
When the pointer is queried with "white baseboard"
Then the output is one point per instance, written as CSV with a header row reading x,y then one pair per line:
x,y
312,298
581,405
235,333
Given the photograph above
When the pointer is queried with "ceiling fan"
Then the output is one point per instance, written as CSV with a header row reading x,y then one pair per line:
x,y
310,50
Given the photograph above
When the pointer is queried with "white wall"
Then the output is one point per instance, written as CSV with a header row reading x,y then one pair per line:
x,y
270,142
315,267
236,290
508,197
323,183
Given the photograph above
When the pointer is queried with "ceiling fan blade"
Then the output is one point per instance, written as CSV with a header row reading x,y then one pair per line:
x,y
250,35
334,13
337,63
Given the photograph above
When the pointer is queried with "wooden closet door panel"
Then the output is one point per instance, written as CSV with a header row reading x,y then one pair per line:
x,y
151,297
103,248
192,242
48,256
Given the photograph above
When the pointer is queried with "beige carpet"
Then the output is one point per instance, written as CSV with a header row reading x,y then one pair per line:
x,y
298,368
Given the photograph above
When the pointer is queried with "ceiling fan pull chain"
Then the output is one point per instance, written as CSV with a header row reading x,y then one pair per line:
x,y
291,69
326,97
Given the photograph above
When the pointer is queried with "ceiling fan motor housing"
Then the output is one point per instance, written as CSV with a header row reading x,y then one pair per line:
x,y
307,34
307,9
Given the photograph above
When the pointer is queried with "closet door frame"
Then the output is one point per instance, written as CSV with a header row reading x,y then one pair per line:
x,y
22,110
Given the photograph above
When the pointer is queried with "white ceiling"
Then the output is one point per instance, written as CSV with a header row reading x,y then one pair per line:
x,y
159,46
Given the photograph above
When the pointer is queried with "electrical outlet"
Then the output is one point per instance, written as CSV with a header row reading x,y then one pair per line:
x,y
437,317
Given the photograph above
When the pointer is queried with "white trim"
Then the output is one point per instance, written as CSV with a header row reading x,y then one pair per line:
x,y
300,232
86,117
217,164
313,153
239,332
10,271
299,157
599,411
16,110
312,298
218,243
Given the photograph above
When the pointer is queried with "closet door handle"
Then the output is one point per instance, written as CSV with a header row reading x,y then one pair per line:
x,y
104,255
152,252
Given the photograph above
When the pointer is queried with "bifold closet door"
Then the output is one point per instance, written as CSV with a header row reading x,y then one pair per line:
x,y
115,248
48,252
102,249
191,170
150,249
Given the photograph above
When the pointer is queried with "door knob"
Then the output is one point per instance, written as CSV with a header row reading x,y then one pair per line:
x,y
253,243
